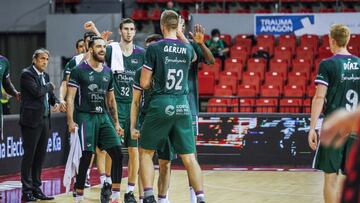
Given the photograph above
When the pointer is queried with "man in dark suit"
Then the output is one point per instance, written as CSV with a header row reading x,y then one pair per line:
x,y
37,96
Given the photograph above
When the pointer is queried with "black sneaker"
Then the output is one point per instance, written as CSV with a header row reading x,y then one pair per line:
x,y
150,199
74,191
129,197
87,183
105,193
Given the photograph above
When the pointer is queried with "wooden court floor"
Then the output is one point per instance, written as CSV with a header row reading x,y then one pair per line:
x,y
239,187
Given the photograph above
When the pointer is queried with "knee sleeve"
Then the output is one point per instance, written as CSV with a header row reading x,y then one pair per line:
x,y
83,167
116,168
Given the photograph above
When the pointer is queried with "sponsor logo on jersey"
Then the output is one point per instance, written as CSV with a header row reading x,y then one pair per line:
x,y
170,110
174,60
91,78
105,78
93,87
134,61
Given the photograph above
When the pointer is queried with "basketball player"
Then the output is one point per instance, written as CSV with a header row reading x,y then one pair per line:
x,y
337,87
168,117
94,82
132,57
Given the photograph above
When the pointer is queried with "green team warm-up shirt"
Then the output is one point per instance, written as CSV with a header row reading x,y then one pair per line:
x,y
92,88
341,74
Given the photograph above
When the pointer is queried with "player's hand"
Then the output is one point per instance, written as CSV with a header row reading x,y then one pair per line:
x,y
135,134
119,130
89,25
18,96
336,128
56,108
313,139
105,35
198,35
72,126
63,106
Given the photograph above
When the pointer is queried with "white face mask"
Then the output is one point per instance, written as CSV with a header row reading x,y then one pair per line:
x,y
216,39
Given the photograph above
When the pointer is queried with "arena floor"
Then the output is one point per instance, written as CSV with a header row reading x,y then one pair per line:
x,y
222,185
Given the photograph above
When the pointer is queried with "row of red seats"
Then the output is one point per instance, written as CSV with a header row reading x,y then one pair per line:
x,y
289,40
142,14
261,105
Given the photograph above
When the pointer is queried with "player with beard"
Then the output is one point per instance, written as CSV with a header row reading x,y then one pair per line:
x,y
92,81
124,58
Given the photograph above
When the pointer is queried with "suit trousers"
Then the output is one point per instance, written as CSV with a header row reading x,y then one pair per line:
x,y
35,141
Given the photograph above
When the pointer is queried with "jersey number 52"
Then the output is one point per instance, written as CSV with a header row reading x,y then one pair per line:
x,y
174,79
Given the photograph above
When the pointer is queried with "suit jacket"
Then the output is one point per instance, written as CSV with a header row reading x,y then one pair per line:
x,y
32,97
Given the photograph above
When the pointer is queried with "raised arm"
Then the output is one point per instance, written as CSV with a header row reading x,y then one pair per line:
x,y
198,37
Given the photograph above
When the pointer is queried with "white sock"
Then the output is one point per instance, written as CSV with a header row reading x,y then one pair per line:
x,y
141,201
193,198
102,180
88,173
78,198
130,188
115,195
161,200
108,180
200,197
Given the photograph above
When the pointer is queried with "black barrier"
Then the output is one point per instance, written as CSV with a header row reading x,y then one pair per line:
x,y
11,150
260,140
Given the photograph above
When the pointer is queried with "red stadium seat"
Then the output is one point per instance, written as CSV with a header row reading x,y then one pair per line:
x,y
206,82
325,40
310,92
284,53
286,10
317,63
266,41
324,51
327,10
307,105
139,14
280,66
263,10
222,90
215,68
184,14
243,10
246,91
309,40
298,79
242,105
255,49
293,91
302,66
257,65
243,40
348,10
266,105
239,52
230,79
288,105
217,105
305,10
206,37
305,53
234,65
155,14
270,91
226,38
354,50
251,78
276,79
288,41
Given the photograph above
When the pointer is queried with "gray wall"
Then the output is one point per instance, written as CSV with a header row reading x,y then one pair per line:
x,y
23,15
62,31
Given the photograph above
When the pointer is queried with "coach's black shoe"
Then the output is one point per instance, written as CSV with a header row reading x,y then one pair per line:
x,y
41,196
87,183
28,197
129,197
150,199
74,191
105,193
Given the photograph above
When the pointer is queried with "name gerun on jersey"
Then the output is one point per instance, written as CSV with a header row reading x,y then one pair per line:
x,y
351,66
174,49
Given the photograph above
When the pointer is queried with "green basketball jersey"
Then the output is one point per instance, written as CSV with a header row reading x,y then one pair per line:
x,y
193,79
145,95
123,81
92,88
169,60
72,64
341,75
4,70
